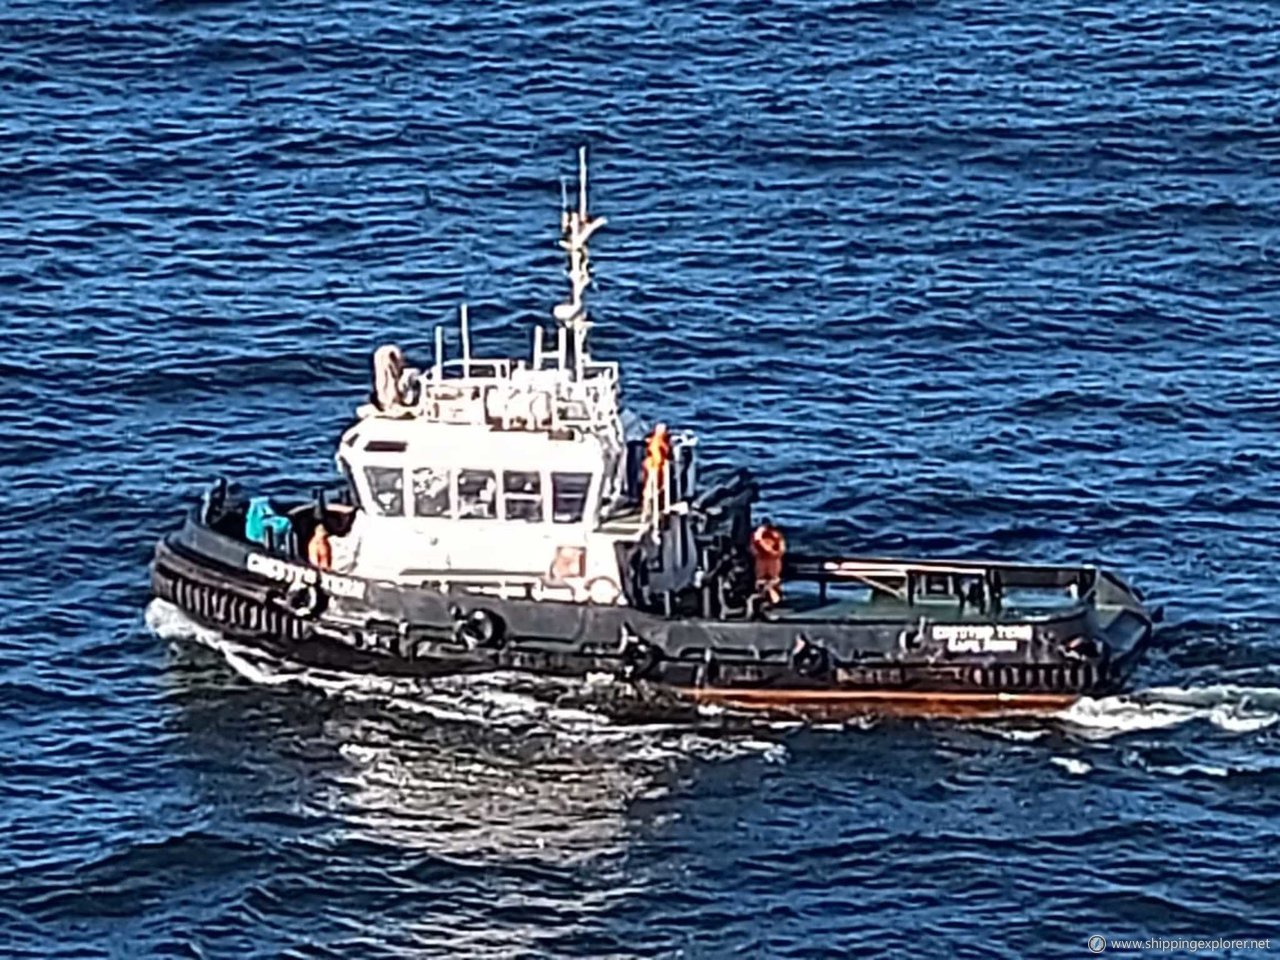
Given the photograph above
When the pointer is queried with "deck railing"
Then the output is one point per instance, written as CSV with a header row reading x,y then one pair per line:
x,y
912,580
497,394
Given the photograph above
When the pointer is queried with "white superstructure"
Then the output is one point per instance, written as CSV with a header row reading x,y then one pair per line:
x,y
514,476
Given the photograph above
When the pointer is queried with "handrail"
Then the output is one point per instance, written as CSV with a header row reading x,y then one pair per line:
x,y
536,402
872,569
837,564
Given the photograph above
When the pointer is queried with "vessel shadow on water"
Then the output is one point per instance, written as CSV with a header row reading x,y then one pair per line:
x,y
511,515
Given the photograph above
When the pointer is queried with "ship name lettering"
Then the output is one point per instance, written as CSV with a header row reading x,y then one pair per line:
x,y
982,637
273,568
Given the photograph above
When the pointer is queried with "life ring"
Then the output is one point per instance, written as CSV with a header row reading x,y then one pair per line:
x,y
303,600
810,660
479,628
603,591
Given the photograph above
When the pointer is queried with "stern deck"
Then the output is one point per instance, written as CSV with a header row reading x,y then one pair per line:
x,y
850,589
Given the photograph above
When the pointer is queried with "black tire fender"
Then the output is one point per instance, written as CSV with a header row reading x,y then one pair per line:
x,y
639,658
304,600
809,659
479,628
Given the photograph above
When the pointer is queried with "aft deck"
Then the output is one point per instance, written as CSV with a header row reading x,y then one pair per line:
x,y
856,589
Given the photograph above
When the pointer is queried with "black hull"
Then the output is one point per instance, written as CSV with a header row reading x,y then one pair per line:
x,y
839,667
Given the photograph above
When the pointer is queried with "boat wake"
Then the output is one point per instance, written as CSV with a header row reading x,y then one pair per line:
x,y
571,711
1210,732
587,713
1229,708
503,767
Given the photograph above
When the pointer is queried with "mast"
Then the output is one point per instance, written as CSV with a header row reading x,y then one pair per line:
x,y
577,226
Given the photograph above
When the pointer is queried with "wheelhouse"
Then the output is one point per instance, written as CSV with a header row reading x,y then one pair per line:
x,y
528,481
476,470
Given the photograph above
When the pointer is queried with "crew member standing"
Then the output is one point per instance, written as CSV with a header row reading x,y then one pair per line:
x,y
319,551
656,456
767,548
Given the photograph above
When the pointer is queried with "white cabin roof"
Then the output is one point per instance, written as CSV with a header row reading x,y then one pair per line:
x,y
415,442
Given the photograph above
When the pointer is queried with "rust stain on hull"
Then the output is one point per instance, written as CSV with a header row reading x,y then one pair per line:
x,y
832,704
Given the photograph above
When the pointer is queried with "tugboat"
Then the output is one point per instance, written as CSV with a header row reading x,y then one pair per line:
x,y
509,515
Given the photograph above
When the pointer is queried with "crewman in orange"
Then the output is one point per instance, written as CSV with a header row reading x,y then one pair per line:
x,y
319,551
657,454
767,548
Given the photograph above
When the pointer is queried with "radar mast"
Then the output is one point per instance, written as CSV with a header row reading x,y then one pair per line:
x,y
577,227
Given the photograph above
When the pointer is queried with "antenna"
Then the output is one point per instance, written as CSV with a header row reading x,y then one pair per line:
x,y
466,341
577,227
439,371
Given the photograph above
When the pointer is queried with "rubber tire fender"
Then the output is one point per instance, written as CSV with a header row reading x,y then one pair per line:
x,y
639,658
304,600
811,660
479,628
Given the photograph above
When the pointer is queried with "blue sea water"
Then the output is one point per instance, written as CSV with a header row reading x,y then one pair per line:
x,y
968,279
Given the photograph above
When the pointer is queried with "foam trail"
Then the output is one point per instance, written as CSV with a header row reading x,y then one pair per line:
x,y
1191,770
501,699
168,622
497,700
1073,766
1230,708
1018,734
481,698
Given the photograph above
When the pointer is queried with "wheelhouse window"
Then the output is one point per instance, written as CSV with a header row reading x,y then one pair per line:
x,y
569,496
386,484
477,495
430,492
522,495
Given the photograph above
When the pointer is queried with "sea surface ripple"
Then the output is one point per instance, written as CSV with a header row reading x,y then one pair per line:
x,y
969,279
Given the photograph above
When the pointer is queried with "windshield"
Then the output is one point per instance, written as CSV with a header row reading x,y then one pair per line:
x,y
430,492
569,496
477,495
522,495
387,486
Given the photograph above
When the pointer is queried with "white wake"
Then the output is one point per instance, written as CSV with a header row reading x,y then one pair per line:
x,y
495,700
1230,708
516,701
